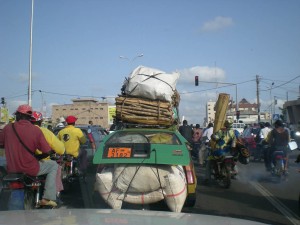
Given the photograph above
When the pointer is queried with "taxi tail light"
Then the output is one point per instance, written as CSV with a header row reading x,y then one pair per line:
x,y
189,175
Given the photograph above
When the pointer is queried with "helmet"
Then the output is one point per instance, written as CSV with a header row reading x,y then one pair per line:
x,y
278,123
25,109
227,124
36,116
71,119
61,120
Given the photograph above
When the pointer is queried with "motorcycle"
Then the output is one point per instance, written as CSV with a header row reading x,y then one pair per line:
x,y
278,161
222,168
277,164
69,170
23,191
20,185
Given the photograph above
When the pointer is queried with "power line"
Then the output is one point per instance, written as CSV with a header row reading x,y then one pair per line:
x,y
271,88
228,85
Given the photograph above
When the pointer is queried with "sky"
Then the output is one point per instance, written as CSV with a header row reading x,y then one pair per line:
x,y
77,44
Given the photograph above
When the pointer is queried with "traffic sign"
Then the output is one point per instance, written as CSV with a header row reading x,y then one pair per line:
x,y
275,117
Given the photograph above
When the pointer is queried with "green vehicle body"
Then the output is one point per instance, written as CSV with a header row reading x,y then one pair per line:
x,y
149,152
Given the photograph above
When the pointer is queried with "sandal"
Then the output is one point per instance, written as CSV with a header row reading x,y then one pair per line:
x,y
48,203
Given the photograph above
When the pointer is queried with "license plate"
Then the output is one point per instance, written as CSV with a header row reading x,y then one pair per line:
x,y
119,152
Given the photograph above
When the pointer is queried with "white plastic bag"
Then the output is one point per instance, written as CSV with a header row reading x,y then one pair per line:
x,y
150,83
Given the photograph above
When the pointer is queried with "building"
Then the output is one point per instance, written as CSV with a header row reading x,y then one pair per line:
x,y
85,110
248,112
210,112
293,111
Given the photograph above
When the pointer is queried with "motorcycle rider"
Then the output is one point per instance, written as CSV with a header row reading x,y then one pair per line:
x,y
20,160
62,122
56,145
205,141
73,137
278,139
225,140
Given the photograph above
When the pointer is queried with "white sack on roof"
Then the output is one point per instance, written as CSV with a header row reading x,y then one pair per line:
x,y
151,83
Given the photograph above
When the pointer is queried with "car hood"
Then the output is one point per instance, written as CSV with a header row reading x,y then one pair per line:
x,y
109,216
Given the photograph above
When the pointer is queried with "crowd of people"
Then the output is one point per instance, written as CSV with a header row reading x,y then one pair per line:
x,y
265,140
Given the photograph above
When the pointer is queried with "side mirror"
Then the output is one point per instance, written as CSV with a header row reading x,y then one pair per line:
x,y
292,145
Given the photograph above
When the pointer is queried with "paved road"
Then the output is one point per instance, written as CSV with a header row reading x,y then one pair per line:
x,y
254,195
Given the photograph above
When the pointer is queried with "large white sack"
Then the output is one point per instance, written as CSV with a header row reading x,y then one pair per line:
x,y
175,192
146,82
104,186
140,178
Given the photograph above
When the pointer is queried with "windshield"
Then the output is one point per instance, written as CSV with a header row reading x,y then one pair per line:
x,y
145,137
148,85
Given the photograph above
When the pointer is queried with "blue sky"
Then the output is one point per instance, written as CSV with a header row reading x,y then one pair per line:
x,y
77,46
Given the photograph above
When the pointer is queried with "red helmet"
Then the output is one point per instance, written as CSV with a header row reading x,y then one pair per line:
x,y
25,109
71,119
36,116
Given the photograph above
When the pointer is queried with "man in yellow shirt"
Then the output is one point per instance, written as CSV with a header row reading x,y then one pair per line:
x,y
73,137
56,145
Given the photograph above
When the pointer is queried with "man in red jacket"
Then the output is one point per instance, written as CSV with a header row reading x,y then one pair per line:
x,y
21,160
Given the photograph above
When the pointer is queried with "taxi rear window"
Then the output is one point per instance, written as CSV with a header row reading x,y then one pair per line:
x,y
145,137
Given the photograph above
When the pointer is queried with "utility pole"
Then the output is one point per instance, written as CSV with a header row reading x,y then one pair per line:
x,y
30,55
257,95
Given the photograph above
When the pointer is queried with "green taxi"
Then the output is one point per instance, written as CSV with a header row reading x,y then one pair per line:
x,y
148,146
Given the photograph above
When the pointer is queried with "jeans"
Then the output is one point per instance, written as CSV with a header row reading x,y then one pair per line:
x,y
49,167
202,153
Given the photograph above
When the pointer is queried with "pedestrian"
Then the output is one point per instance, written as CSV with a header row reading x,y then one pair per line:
x,y
20,141
186,131
197,135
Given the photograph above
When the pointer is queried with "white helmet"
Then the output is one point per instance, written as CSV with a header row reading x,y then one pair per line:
x,y
61,120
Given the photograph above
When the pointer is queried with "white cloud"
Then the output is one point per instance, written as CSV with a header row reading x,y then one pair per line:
x,y
218,23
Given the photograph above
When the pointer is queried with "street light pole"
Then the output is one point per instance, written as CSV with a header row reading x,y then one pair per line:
x,y
271,107
30,54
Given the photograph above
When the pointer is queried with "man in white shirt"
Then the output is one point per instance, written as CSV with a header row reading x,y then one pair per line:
x,y
264,131
206,136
